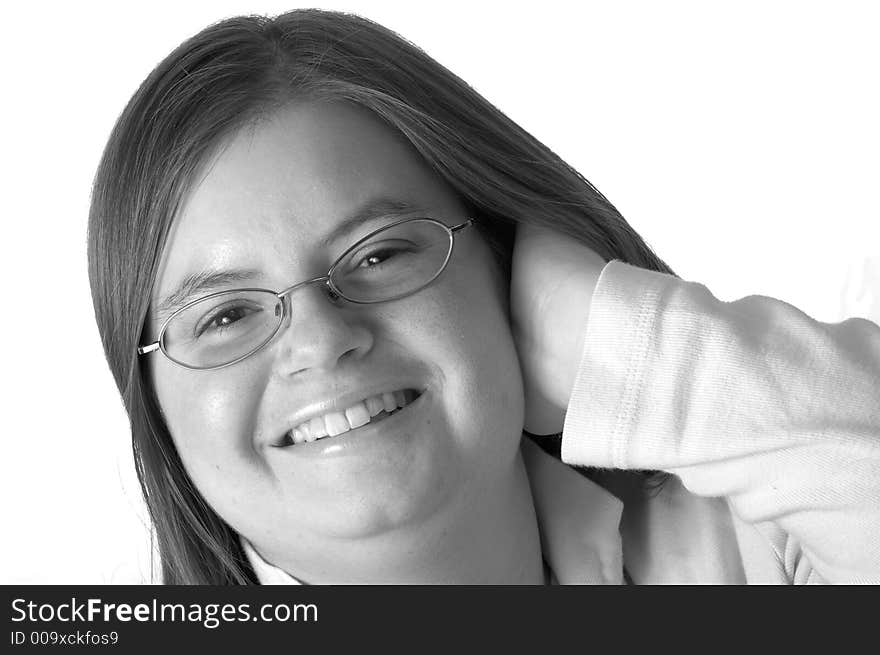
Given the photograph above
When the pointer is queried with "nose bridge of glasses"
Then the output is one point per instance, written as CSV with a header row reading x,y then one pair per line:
x,y
315,280
314,330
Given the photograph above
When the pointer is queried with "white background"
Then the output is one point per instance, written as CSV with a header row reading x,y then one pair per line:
x,y
740,139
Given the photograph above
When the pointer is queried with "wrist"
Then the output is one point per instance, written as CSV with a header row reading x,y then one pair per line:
x,y
548,395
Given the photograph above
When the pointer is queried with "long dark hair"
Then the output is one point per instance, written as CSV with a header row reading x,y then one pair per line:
x,y
233,73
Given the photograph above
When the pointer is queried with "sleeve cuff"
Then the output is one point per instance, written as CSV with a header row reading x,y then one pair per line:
x,y
624,309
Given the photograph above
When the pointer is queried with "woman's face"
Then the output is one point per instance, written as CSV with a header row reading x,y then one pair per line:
x,y
262,211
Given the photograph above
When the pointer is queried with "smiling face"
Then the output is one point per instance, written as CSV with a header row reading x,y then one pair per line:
x,y
264,210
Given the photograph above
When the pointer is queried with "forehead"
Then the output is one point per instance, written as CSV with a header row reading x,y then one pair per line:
x,y
285,182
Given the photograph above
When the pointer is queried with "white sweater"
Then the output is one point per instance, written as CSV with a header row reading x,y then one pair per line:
x,y
768,421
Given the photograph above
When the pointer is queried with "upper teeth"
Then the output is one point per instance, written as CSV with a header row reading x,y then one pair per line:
x,y
359,414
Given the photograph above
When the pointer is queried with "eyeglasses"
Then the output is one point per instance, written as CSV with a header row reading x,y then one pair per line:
x,y
225,327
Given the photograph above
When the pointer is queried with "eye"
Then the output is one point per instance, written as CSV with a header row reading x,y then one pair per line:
x,y
377,257
224,318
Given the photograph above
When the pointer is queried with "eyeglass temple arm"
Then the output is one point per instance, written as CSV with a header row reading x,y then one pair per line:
x,y
143,350
462,226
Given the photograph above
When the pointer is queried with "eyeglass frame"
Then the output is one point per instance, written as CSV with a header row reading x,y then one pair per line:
x,y
159,343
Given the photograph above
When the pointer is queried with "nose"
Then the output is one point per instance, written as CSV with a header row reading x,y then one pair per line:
x,y
319,331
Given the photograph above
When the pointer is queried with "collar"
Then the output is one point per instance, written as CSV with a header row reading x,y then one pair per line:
x,y
579,522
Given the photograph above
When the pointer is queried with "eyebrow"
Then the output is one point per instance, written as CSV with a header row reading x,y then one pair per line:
x,y
199,284
372,212
209,280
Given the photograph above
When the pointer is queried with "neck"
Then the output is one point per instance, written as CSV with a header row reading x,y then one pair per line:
x,y
489,536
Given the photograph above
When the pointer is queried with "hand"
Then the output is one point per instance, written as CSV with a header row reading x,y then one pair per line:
x,y
551,288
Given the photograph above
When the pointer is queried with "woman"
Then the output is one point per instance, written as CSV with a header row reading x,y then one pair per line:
x,y
334,285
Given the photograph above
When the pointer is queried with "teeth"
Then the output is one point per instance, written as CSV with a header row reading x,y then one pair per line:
x,y
357,415
316,426
336,423
374,405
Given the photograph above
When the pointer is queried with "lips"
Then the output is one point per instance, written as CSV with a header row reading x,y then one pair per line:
x,y
367,411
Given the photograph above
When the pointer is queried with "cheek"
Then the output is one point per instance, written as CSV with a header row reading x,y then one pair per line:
x,y
480,370
211,415
494,392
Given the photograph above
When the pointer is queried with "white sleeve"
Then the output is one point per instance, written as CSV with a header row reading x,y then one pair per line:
x,y
751,400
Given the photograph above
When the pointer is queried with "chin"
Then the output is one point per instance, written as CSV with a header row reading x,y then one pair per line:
x,y
386,507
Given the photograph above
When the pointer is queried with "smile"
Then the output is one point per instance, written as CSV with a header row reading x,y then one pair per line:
x,y
370,410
